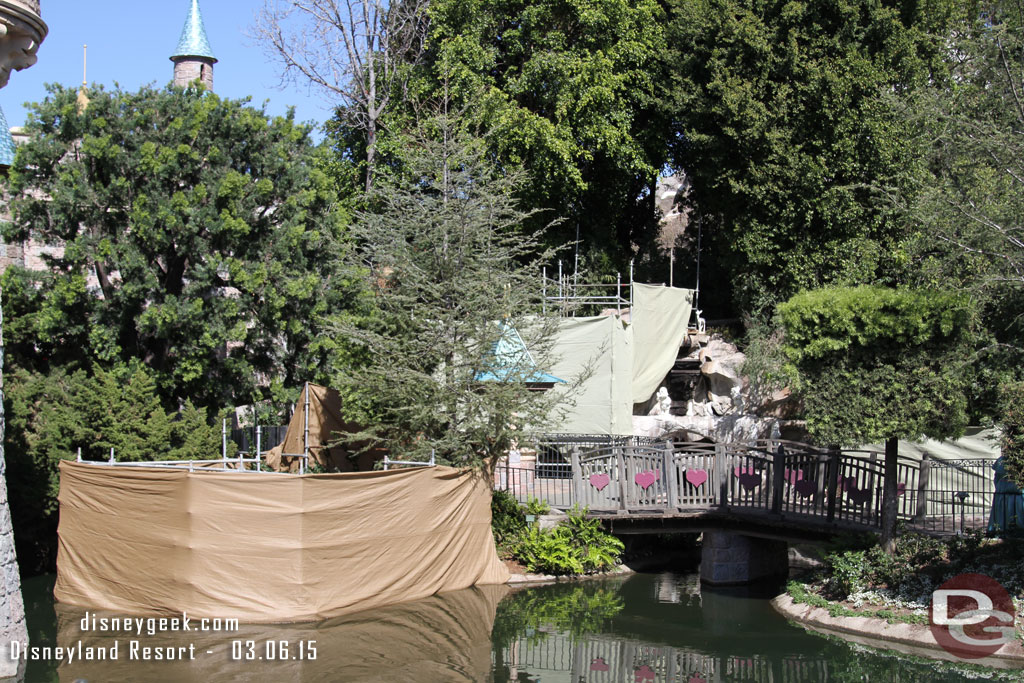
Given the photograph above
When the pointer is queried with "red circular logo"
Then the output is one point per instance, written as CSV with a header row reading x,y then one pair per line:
x,y
971,616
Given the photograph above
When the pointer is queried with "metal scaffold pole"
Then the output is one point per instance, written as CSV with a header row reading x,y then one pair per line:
x,y
305,436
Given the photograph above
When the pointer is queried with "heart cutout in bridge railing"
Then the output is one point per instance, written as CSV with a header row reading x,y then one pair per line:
x,y
646,478
805,488
748,476
599,481
858,496
696,478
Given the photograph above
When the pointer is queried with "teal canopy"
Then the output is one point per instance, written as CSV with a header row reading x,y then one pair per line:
x,y
510,361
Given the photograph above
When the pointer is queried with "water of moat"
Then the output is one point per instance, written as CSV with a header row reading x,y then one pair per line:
x,y
644,628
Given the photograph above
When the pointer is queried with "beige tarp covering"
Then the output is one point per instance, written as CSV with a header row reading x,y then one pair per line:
x,y
977,442
269,547
603,403
627,362
444,638
659,318
326,423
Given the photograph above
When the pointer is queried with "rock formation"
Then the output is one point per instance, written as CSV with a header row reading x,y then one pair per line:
x,y
722,408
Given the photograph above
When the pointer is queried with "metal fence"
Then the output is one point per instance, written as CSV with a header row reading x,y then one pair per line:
x,y
270,436
957,494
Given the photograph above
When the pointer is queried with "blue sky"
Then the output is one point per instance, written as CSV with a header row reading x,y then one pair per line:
x,y
130,42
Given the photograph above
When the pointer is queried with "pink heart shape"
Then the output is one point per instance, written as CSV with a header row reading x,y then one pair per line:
x,y
804,488
696,477
600,480
644,673
599,665
859,496
645,479
793,476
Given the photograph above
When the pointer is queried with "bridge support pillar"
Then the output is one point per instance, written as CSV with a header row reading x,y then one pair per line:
x,y
733,559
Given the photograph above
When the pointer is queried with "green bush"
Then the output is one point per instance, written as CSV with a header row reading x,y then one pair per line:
x,y
576,546
537,507
1011,399
848,573
507,522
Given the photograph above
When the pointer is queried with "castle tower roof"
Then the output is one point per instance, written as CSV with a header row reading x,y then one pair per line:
x,y
193,41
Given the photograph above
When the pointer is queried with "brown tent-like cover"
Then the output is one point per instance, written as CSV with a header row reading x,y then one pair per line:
x,y
326,424
263,547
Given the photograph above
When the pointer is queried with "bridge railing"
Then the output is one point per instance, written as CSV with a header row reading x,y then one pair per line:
x,y
773,477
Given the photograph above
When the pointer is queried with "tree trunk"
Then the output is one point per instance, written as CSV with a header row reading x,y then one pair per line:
x,y
371,153
12,608
888,539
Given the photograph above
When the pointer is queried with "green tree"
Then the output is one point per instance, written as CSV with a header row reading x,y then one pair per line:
x,y
452,276
566,90
969,212
788,121
189,233
877,364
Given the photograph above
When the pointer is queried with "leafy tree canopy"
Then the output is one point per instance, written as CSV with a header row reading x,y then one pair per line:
x,y
788,120
187,232
565,90
969,213
872,363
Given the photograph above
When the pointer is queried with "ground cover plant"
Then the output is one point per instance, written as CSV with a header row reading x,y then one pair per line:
x,y
857,578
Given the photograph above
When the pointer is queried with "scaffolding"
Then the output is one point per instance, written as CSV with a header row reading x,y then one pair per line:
x,y
567,295
242,462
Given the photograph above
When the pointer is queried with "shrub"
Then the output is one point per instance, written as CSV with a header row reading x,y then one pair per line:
x,y
537,507
576,546
848,573
507,521
1012,421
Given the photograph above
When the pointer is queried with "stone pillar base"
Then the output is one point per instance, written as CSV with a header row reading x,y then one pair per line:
x,y
729,559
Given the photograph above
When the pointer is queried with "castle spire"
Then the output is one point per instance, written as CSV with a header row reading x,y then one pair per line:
x,y
193,58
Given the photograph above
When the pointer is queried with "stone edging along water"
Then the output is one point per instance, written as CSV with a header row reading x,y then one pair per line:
x,y
915,639
520,579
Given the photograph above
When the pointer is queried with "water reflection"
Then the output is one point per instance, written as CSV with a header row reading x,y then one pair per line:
x,y
641,629
441,638
666,629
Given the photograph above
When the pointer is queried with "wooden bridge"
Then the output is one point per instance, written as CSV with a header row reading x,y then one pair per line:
x,y
772,482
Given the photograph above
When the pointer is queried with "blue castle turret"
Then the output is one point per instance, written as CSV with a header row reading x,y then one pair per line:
x,y
193,58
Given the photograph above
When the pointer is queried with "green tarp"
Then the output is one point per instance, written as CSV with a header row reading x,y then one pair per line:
x,y
623,363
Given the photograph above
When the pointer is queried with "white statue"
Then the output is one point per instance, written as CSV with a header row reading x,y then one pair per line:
x,y
663,404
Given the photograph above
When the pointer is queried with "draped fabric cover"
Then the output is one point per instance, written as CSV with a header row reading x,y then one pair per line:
x,y
621,363
265,547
